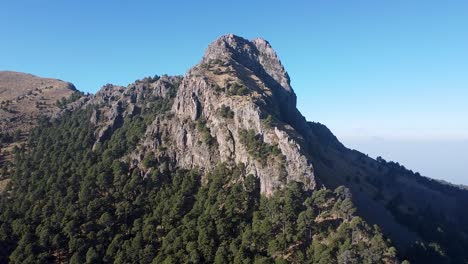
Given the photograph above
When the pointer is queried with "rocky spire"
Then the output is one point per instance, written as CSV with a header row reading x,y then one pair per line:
x,y
257,55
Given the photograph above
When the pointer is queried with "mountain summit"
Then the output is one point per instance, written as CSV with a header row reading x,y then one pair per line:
x,y
261,59
256,55
219,165
225,109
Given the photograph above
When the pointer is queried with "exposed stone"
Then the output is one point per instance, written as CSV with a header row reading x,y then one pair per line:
x,y
255,67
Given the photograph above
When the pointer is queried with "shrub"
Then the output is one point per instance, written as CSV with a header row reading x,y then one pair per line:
x,y
217,71
226,112
64,101
5,137
205,132
237,89
268,122
149,161
256,147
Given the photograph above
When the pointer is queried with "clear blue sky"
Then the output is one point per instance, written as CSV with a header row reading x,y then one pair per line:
x,y
388,70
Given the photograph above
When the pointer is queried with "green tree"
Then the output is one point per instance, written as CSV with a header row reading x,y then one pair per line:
x,y
92,256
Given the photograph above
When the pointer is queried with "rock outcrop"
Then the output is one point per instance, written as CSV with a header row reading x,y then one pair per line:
x,y
237,107
244,78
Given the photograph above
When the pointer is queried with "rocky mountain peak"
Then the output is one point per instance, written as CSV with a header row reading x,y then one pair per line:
x,y
247,58
234,107
257,55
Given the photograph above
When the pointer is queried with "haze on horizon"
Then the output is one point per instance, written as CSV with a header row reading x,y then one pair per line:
x,y
389,79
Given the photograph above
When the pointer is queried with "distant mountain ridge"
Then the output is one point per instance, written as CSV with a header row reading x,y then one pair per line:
x,y
237,107
24,98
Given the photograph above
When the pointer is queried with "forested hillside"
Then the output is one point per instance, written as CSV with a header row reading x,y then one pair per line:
x,y
68,203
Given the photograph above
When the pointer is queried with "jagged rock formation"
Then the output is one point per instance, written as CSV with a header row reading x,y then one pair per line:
x,y
235,75
240,93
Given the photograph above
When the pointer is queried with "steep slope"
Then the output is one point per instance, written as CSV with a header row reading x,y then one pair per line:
x,y
392,196
79,194
237,106
68,203
226,109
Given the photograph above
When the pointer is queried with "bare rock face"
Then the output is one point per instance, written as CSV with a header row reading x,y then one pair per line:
x,y
233,63
114,103
269,60
257,55
225,109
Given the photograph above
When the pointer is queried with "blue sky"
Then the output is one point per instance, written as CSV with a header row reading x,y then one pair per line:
x,y
392,71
